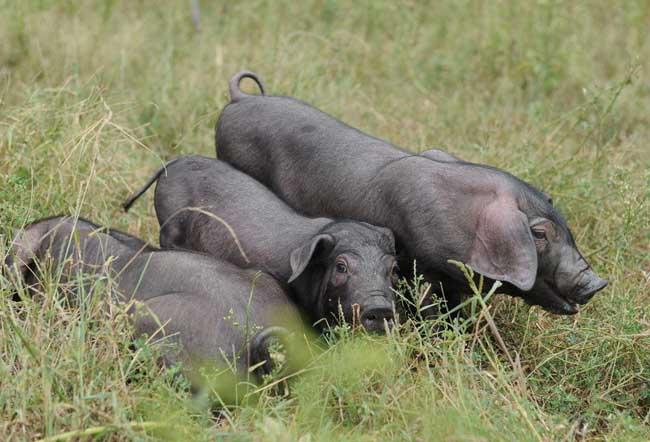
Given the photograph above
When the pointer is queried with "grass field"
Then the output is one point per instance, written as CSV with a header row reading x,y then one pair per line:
x,y
94,95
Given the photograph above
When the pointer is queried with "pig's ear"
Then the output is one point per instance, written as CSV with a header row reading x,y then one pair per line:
x,y
302,256
504,248
22,252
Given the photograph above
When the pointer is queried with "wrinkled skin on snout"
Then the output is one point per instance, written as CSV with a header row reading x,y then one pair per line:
x,y
439,208
207,308
335,269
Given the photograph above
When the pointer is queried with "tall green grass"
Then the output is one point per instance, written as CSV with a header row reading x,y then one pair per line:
x,y
95,95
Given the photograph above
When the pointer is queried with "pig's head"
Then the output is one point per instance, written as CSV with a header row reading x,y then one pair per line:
x,y
523,240
349,268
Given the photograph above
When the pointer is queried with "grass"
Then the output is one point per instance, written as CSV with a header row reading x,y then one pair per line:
x,y
95,95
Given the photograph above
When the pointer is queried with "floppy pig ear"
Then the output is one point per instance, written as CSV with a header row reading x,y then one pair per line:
x,y
301,256
22,251
504,248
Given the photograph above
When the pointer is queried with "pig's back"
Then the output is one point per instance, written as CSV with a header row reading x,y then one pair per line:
x,y
178,271
231,215
315,162
241,294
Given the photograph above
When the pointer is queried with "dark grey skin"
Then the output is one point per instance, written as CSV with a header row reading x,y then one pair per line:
x,y
210,308
330,266
439,207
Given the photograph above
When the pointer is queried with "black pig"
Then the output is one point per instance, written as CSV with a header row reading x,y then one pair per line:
x,y
206,205
439,208
213,310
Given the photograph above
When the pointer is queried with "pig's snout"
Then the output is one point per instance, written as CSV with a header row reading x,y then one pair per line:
x,y
377,314
589,285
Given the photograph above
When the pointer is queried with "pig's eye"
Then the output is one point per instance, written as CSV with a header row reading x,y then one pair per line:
x,y
341,267
539,234
394,274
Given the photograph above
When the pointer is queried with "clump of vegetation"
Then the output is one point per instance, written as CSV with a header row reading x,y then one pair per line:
x,y
95,95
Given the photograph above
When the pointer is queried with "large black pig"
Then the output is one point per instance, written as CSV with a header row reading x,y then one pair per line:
x,y
439,208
